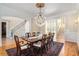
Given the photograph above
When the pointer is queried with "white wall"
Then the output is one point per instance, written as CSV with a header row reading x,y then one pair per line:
x,y
70,32
36,28
28,26
0,36
1,31
68,27
78,32
14,17
12,22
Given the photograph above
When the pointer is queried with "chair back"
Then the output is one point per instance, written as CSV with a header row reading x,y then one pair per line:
x,y
38,33
17,44
27,35
52,36
49,37
44,37
33,34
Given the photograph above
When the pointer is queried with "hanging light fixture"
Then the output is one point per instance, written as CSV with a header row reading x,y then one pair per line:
x,y
40,19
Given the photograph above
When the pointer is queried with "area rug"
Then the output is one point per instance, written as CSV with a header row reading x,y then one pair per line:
x,y
53,51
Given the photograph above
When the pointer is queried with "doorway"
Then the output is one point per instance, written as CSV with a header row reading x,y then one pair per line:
x,y
3,29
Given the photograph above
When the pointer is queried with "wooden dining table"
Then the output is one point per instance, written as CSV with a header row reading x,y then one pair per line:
x,y
32,39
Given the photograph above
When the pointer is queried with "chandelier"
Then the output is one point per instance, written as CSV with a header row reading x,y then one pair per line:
x,y
40,19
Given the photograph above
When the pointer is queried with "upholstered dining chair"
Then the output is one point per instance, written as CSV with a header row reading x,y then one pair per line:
x,y
48,44
27,35
41,45
33,34
21,49
52,38
38,33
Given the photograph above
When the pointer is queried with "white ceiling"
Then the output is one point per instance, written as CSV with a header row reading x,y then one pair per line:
x,y
29,9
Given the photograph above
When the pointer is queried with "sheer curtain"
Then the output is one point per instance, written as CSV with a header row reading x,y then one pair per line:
x,y
51,26
55,26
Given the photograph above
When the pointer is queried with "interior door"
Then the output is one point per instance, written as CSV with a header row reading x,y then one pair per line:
x,y
3,29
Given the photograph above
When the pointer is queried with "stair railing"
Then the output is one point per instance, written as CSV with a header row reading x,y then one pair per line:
x,y
17,27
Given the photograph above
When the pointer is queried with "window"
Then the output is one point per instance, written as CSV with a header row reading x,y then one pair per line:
x,y
51,25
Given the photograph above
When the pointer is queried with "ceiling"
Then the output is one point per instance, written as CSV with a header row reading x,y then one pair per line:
x,y
29,9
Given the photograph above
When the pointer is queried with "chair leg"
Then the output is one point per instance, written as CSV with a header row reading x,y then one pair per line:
x,y
53,42
46,47
32,50
49,45
40,51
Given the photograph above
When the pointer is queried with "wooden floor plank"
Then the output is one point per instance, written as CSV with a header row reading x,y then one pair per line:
x,y
71,49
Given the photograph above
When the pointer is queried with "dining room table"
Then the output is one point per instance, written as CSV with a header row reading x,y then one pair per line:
x,y
32,39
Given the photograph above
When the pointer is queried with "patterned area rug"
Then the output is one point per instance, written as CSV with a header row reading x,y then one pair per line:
x,y
53,51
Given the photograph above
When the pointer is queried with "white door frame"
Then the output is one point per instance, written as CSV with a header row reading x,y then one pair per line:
x,y
2,20
7,32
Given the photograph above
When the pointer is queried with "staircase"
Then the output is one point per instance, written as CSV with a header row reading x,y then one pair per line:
x,y
17,27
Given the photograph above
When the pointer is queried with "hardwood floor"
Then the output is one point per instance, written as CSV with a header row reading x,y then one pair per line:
x,y
70,48
6,45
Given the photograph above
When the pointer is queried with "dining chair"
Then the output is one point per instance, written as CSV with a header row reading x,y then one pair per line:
x,y
38,33
44,41
27,35
52,37
40,45
48,44
33,34
22,49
